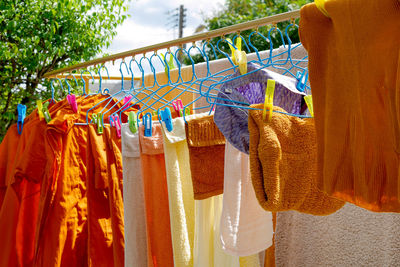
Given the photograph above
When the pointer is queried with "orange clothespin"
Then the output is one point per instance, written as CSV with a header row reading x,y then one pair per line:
x,y
269,100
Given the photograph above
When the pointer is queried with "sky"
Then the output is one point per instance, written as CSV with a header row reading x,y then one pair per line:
x,y
148,23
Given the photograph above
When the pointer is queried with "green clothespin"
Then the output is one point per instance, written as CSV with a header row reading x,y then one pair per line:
x,y
132,121
46,112
99,123
187,111
309,102
170,63
39,104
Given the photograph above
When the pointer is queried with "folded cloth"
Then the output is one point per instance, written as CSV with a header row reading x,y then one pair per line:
x,y
250,89
283,164
206,151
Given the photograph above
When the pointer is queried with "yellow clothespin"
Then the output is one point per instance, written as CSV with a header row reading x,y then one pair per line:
x,y
239,57
309,102
39,104
170,63
321,6
269,100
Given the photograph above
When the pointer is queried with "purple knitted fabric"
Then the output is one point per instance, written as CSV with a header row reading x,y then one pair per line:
x,y
250,89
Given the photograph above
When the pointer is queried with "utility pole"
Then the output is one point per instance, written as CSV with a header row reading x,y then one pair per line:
x,y
182,20
177,18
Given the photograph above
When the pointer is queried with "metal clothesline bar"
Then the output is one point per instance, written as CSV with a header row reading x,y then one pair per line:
x,y
177,42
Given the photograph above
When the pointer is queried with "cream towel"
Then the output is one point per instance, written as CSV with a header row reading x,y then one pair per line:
x,y
134,204
180,193
246,228
350,237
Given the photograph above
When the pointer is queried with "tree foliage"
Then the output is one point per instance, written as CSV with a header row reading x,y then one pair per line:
x,y
238,11
40,36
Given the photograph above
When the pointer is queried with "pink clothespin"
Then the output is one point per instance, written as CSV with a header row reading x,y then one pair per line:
x,y
177,105
127,100
117,125
72,101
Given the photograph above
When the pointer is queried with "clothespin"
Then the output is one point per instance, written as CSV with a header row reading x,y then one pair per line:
x,y
239,57
269,100
94,118
154,113
72,101
167,118
127,99
187,111
46,112
170,63
100,129
132,121
309,102
21,109
302,78
117,125
178,106
147,122
39,105
321,6
111,120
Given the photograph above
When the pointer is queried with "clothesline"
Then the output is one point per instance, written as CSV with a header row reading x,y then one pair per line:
x,y
178,42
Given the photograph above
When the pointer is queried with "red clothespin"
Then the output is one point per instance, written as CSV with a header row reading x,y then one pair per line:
x,y
177,105
111,120
72,101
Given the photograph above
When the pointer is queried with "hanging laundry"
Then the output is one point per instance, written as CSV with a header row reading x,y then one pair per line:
x,y
65,203
136,247
206,152
283,164
246,228
250,89
355,83
156,198
180,192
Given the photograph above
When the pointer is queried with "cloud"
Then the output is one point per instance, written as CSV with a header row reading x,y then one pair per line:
x,y
147,24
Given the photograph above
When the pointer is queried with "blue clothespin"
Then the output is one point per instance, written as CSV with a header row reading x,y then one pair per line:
x,y
147,124
166,117
302,78
21,117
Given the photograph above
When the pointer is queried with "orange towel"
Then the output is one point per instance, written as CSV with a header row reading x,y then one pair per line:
x,y
283,164
206,148
156,198
354,66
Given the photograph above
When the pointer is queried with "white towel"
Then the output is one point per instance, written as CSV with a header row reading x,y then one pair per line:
x,y
133,192
246,228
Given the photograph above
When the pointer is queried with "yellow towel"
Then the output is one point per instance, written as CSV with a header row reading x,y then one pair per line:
x,y
180,193
283,164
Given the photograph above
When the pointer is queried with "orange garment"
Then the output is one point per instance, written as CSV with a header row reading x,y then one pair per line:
x,y
156,198
62,234
283,164
116,203
18,217
7,155
354,66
